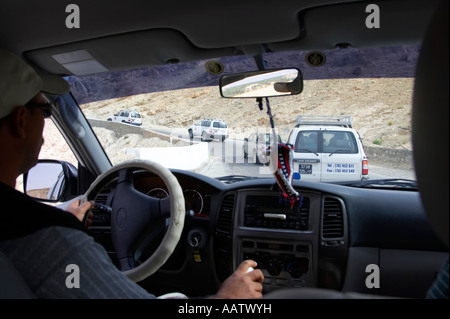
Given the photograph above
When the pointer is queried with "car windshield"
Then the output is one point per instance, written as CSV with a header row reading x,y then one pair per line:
x,y
372,87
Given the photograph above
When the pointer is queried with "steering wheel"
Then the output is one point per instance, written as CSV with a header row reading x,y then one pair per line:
x,y
133,211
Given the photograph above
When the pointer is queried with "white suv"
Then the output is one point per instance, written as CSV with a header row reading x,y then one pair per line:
x,y
209,129
127,116
327,149
257,147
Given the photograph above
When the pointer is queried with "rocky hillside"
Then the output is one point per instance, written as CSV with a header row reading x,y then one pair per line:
x,y
380,108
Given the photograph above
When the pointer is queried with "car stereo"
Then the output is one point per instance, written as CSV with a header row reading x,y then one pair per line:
x,y
273,212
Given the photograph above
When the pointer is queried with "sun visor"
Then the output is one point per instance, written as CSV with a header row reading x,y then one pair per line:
x,y
126,51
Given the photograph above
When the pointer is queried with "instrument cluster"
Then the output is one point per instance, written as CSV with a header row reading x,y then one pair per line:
x,y
196,204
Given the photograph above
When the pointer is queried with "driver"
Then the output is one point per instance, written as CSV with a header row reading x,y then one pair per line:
x,y
41,240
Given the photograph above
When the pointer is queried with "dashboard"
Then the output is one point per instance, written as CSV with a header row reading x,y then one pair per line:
x,y
319,243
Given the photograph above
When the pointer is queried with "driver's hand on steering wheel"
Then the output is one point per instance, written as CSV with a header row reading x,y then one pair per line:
x,y
80,211
242,284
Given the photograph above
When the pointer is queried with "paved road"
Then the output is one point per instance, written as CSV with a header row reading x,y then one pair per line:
x,y
227,159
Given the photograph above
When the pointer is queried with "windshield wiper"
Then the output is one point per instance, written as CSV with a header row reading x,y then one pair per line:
x,y
392,183
338,151
306,150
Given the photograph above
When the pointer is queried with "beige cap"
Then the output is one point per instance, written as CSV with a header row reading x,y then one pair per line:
x,y
19,83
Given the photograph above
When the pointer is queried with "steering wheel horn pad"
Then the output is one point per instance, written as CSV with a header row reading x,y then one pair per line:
x,y
133,211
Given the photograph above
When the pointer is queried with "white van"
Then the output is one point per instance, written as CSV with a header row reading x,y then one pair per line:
x,y
328,149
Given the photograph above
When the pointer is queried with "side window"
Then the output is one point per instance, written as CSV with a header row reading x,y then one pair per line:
x,y
306,142
54,147
206,123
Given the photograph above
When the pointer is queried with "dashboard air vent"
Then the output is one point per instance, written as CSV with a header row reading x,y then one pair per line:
x,y
332,222
225,217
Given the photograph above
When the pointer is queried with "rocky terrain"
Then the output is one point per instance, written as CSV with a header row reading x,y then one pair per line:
x,y
380,109
171,98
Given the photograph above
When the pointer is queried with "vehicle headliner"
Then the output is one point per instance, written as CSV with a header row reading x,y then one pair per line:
x,y
133,34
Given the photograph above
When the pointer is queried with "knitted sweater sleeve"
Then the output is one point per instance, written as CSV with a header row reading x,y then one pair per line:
x,y
60,262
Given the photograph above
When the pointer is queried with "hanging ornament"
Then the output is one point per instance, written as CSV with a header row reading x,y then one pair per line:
x,y
283,171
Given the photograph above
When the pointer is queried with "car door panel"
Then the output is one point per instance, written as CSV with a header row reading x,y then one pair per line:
x,y
341,158
336,167
308,166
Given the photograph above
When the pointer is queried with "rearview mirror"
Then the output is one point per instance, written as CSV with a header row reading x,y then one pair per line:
x,y
51,181
266,83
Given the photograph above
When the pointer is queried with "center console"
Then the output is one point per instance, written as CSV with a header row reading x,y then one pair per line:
x,y
284,263
282,240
